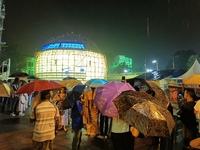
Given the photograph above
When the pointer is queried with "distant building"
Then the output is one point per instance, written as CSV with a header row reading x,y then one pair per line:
x,y
30,66
72,56
122,63
2,16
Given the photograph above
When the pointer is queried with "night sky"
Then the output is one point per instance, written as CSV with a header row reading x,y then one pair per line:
x,y
115,26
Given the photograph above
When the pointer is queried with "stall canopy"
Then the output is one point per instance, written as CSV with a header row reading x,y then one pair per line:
x,y
195,69
193,79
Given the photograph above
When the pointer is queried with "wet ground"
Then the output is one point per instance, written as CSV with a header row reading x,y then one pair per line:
x,y
16,134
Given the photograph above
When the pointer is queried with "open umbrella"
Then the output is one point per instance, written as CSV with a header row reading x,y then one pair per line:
x,y
151,88
69,78
19,74
75,93
70,83
5,90
105,95
159,94
138,84
38,85
96,82
148,117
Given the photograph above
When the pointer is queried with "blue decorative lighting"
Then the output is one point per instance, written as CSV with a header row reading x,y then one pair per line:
x,y
63,46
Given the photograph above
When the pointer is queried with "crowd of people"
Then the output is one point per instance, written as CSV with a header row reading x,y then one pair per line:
x,y
49,117
16,104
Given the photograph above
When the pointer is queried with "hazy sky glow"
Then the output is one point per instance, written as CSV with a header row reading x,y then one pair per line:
x,y
116,26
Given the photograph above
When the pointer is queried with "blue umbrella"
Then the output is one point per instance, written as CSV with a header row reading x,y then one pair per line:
x,y
75,93
96,82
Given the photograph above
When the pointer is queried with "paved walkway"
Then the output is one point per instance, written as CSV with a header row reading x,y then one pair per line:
x,y
16,134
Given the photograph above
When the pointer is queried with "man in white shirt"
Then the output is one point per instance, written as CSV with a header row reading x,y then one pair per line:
x,y
196,142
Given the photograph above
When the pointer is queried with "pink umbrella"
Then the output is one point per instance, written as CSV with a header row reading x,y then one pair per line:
x,y
105,95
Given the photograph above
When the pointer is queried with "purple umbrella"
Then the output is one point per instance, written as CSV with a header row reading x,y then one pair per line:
x,y
105,95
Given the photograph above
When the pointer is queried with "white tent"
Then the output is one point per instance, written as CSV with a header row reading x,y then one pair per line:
x,y
195,69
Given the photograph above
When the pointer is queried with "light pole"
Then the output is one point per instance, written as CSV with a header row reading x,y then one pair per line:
x,y
155,62
145,67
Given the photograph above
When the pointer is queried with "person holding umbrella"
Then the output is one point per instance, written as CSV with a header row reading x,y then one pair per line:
x,y
77,122
60,97
91,113
121,135
144,143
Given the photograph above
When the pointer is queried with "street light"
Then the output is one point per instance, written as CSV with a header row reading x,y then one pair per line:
x,y
155,62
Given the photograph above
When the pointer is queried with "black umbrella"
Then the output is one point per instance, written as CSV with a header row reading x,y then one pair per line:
x,y
32,77
69,78
75,93
19,74
138,84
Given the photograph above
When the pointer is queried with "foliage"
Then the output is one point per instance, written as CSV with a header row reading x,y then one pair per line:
x,y
180,59
18,61
120,68
191,60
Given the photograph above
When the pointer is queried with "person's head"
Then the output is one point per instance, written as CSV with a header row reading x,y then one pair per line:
x,y
63,90
16,80
189,94
51,92
45,95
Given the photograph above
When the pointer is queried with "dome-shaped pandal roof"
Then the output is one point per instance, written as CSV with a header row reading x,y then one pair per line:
x,y
75,38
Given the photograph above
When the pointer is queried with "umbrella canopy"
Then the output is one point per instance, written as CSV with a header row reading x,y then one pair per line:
x,y
75,93
151,88
38,85
138,84
159,94
5,90
31,77
70,83
19,74
96,82
105,95
69,78
194,79
149,118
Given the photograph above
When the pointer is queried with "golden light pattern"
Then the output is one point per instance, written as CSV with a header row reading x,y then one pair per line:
x,y
57,64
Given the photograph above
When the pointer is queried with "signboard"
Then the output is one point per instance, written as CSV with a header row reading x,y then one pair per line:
x,y
63,46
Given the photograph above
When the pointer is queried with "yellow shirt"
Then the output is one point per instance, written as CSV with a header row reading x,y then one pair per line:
x,y
44,128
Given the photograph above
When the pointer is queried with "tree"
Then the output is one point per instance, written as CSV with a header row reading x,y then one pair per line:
x,y
191,60
18,61
120,68
180,59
